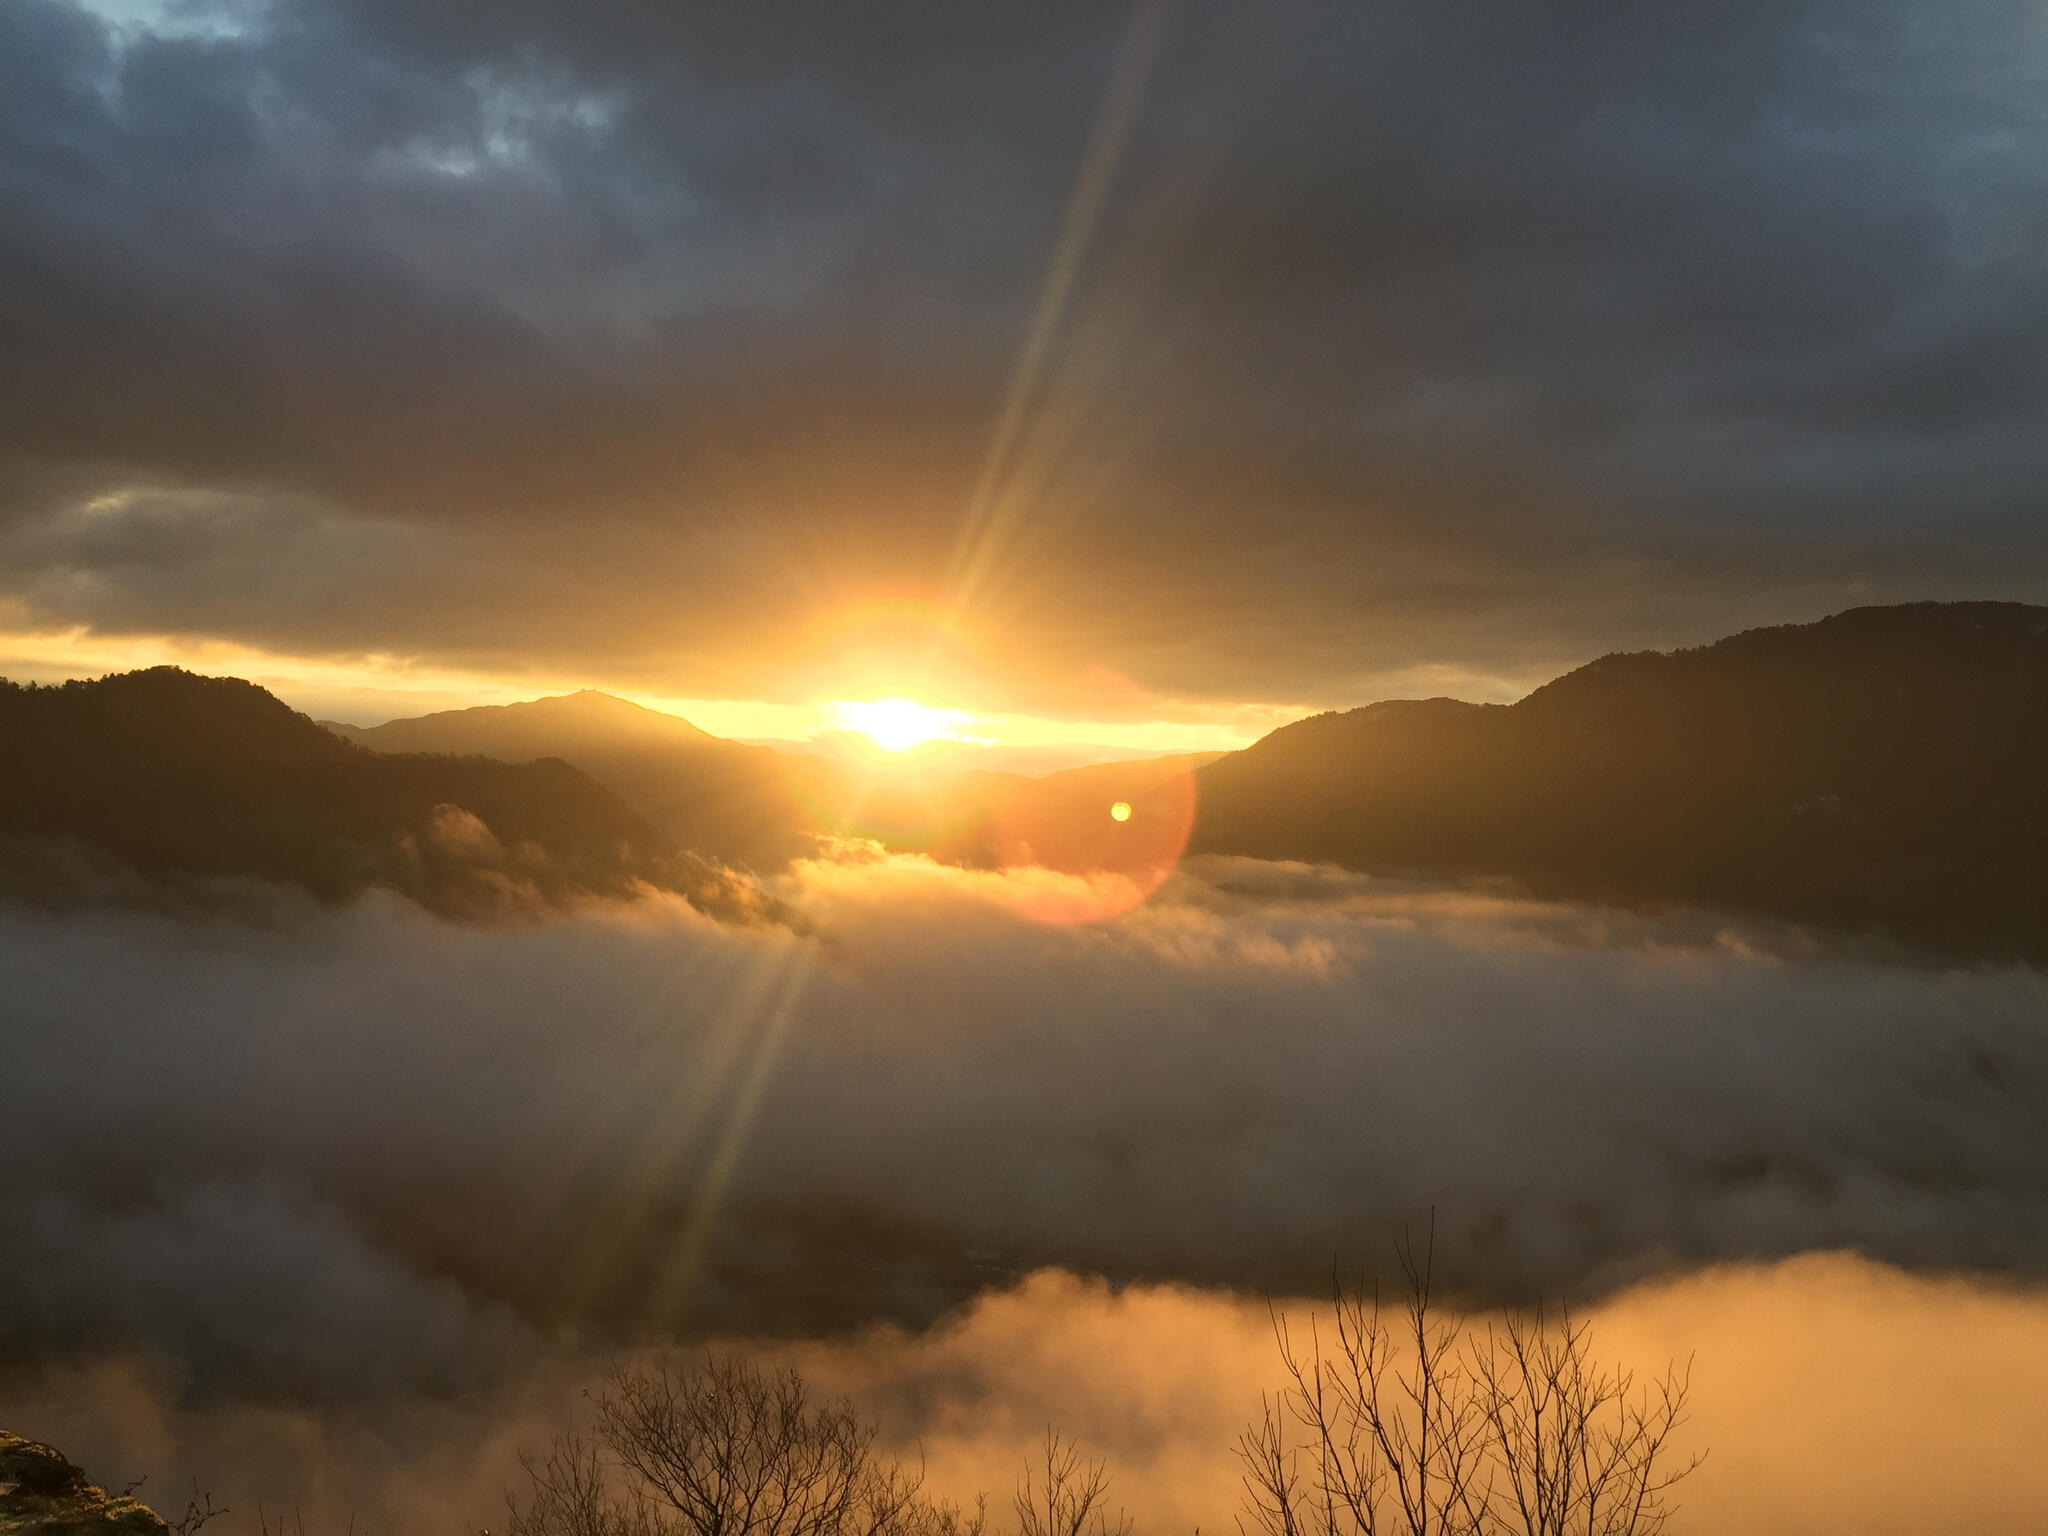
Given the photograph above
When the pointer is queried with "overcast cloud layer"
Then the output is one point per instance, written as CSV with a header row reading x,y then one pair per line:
x,y
366,1152
1467,333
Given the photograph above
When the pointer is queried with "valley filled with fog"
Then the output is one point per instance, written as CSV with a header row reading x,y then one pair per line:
x,y
378,1191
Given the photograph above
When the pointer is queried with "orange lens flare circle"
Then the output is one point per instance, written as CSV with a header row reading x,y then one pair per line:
x,y
1111,863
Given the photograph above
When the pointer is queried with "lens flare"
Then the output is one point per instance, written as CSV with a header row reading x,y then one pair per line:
x,y
897,725
1113,864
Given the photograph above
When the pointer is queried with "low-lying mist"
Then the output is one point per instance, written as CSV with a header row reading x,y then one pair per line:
x,y
381,1188
367,1149
1832,1396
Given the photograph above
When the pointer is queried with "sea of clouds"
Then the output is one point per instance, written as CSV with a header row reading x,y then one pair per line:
x,y
398,1182
1832,1396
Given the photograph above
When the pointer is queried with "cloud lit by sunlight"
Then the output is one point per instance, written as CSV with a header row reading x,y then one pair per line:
x,y
636,1121
370,688
1831,1393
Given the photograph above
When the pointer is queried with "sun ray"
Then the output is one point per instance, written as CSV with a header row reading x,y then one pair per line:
x,y
986,526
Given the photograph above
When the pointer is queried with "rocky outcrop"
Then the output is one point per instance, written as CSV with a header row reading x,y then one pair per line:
x,y
42,1494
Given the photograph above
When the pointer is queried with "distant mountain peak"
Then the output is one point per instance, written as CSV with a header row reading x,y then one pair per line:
x,y
551,725
182,780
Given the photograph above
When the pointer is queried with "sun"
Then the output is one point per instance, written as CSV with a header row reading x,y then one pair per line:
x,y
897,725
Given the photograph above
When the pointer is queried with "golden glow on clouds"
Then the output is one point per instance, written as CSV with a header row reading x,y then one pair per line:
x,y
374,685
369,688
1833,1394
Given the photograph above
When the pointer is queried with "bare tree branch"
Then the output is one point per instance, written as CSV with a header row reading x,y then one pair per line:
x,y
1423,1426
716,1446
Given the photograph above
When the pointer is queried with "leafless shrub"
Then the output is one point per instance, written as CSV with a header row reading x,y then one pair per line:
x,y
296,1526
571,1496
1578,1446
719,1447
200,1510
1412,1423
1064,1493
1407,1420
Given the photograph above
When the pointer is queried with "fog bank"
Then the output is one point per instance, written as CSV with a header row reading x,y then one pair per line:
x,y
1834,1397
364,1152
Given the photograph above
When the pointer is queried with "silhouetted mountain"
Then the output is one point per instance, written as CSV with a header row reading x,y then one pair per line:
x,y
727,800
1882,768
185,777
588,719
754,805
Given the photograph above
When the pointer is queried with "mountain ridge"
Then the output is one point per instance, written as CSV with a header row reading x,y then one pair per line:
x,y
1880,768
754,806
183,778
585,710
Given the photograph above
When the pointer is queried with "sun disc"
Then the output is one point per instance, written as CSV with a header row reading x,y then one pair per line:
x,y
897,725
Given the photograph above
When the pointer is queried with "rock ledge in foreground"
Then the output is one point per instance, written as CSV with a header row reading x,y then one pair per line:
x,y
42,1494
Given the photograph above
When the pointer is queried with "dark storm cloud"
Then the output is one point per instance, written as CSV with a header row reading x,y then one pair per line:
x,y
1468,332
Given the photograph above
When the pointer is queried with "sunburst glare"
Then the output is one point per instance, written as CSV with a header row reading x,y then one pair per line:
x,y
897,725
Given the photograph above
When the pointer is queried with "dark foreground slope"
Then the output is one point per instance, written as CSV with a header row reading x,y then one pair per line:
x,y
42,1494
1885,768
184,778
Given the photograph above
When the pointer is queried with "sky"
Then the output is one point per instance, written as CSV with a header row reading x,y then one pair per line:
x,y
1070,380
1137,376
